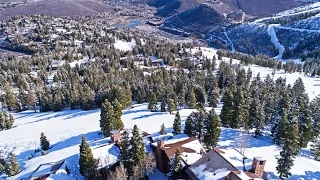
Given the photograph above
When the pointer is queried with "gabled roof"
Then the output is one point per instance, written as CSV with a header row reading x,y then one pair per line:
x,y
218,163
190,148
47,169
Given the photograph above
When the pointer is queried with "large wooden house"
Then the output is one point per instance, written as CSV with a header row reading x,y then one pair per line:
x,y
189,147
228,164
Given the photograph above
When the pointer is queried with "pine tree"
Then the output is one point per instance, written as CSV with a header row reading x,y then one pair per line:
x,y
212,130
163,130
315,148
125,153
305,127
107,118
14,166
87,164
192,101
118,124
9,122
315,109
172,106
163,105
188,129
290,149
177,124
137,152
152,106
9,98
226,115
2,121
182,96
214,98
175,166
240,113
45,145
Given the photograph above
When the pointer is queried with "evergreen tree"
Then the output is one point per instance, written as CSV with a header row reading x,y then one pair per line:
x,y
107,118
194,125
290,149
172,106
152,106
212,130
177,124
214,98
14,167
175,166
305,127
87,97
315,109
137,152
9,122
226,115
315,148
87,164
9,98
240,113
163,105
125,153
182,96
118,124
163,130
192,101
45,145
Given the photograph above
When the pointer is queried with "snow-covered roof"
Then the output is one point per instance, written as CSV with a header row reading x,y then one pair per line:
x,y
190,148
106,154
218,163
235,158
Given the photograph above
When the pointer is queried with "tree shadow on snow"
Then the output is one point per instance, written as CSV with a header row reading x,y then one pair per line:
x,y
125,112
308,175
64,115
234,136
149,115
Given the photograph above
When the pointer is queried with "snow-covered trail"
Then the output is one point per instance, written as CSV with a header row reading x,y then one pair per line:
x,y
230,42
297,29
275,40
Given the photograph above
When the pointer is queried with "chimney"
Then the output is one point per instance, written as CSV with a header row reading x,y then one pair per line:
x,y
115,136
258,166
160,144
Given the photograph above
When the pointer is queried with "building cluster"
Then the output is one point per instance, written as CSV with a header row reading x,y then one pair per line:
x,y
197,164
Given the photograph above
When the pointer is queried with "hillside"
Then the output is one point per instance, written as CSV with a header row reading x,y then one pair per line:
x,y
64,130
56,8
296,29
200,19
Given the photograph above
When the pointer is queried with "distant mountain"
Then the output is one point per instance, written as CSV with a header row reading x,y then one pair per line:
x,y
296,31
54,8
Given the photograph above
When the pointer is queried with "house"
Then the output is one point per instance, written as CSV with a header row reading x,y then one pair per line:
x,y
44,171
236,17
189,147
228,164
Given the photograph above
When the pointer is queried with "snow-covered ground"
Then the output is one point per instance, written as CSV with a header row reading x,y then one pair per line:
x,y
125,46
64,130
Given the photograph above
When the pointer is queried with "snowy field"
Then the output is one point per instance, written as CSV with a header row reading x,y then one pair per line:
x,y
64,130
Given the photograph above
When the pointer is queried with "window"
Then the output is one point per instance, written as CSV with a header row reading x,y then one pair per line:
x,y
261,163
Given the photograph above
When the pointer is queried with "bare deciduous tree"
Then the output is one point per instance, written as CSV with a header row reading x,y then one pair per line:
x,y
243,142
